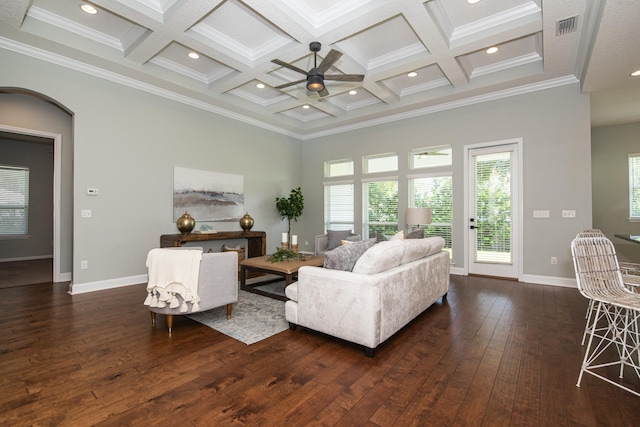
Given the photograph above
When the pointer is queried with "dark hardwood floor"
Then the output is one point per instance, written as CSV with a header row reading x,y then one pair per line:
x,y
495,353
20,273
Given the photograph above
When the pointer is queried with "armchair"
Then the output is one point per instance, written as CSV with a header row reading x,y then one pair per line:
x,y
170,272
326,242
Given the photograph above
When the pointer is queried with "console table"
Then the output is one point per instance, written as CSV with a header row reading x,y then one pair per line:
x,y
256,240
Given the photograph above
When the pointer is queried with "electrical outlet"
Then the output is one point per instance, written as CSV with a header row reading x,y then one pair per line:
x,y
306,243
85,213
554,260
568,214
84,264
541,214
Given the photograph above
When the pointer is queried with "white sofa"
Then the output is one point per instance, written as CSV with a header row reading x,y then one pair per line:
x,y
391,283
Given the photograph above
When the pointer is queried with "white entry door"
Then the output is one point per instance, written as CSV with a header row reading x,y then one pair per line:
x,y
494,210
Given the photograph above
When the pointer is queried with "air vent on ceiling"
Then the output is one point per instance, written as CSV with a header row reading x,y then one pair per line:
x,y
566,26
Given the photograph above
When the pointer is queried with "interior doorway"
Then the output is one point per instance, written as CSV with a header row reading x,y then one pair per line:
x,y
493,209
28,135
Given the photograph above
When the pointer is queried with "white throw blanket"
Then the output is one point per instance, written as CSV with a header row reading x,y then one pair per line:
x,y
173,272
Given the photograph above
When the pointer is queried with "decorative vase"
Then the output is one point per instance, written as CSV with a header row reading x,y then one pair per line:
x,y
246,222
186,223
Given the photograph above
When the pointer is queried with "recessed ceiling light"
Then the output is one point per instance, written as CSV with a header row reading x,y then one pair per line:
x,y
492,49
353,92
472,1
636,73
412,74
305,106
87,8
260,86
193,55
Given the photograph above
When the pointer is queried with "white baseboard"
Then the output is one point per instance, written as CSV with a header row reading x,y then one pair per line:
x,y
550,280
26,258
64,277
81,288
535,279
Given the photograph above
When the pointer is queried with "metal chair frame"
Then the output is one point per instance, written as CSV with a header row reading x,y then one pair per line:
x,y
616,319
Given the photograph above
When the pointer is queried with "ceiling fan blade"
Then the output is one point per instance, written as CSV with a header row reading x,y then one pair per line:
x,y
345,77
291,84
323,92
289,66
329,60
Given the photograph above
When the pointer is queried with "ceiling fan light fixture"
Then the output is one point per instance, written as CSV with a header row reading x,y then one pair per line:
x,y
315,83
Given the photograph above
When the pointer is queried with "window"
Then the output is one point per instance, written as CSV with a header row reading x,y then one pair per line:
x,y
634,186
336,168
338,206
14,200
435,192
381,163
430,157
380,208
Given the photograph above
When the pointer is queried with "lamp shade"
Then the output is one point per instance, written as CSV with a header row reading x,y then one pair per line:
x,y
417,216
315,83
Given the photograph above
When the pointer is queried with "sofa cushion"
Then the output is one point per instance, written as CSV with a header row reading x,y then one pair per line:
x,y
420,248
416,234
335,236
344,257
380,257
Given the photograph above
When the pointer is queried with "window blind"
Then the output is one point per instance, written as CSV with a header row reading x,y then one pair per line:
x,y
338,206
14,200
493,208
634,185
436,193
381,208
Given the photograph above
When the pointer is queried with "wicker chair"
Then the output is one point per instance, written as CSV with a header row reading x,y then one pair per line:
x,y
614,338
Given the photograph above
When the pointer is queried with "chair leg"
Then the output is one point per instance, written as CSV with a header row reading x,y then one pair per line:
x,y
153,318
170,322
229,308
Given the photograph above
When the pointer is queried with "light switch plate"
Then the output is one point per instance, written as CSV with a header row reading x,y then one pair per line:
x,y
541,214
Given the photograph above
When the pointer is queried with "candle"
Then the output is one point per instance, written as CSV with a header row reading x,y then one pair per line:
x,y
284,238
294,239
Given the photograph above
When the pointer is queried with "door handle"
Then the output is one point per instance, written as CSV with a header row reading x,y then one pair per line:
x,y
472,227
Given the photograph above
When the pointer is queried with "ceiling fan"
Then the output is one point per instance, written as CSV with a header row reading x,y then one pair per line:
x,y
315,77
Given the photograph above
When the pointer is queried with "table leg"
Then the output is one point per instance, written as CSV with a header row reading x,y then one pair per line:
x,y
243,278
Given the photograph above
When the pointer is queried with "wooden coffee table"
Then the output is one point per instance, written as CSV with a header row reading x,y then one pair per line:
x,y
287,269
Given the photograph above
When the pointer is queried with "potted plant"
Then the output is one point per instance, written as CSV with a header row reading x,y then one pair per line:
x,y
291,207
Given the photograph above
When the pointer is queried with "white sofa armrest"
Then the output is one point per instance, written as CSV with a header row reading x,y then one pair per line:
x,y
340,303
320,244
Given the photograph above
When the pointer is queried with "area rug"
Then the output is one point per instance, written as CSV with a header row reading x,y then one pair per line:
x,y
253,318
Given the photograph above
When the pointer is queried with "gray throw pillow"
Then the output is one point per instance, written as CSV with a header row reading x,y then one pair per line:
x,y
416,234
346,256
336,237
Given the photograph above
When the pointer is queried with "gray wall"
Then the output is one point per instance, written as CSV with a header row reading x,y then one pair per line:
x,y
34,114
610,146
39,159
557,163
126,144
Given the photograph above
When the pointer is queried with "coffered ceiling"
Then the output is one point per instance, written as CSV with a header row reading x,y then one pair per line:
x,y
145,44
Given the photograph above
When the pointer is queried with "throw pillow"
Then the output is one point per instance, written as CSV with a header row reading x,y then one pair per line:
x,y
416,234
382,256
398,236
345,257
351,239
335,236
